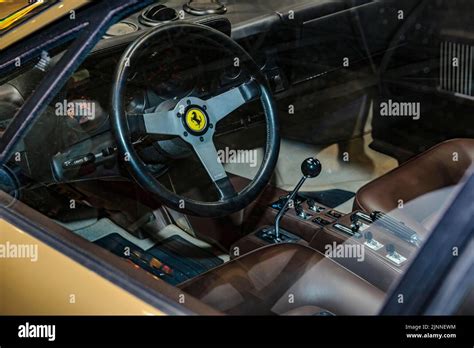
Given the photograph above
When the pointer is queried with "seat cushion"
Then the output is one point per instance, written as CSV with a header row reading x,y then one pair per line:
x,y
442,166
285,279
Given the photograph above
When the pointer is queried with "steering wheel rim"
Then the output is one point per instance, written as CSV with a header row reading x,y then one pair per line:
x,y
137,168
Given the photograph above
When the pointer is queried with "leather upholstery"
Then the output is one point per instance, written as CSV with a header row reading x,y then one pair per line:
x,y
428,172
285,279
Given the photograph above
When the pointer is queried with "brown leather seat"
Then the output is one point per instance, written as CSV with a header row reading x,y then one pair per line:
x,y
287,279
440,167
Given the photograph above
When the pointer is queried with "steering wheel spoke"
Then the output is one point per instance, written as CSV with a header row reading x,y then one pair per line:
x,y
224,104
162,122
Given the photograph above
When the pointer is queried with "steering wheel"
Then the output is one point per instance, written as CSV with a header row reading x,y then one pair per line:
x,y
194,121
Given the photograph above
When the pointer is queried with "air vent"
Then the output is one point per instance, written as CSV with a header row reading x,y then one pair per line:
x,y
158,14
204,7
456,68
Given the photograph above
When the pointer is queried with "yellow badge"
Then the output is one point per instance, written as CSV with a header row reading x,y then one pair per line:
x,y
196,120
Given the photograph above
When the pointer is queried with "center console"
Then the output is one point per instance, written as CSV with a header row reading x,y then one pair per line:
x,y
374,246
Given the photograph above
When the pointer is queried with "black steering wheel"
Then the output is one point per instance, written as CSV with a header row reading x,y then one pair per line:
x,y
194,121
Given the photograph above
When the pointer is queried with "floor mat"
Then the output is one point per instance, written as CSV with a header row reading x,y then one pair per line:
x,y
173,260
330,198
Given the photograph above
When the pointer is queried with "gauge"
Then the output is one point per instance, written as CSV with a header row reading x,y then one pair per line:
x,y
230,74
158,14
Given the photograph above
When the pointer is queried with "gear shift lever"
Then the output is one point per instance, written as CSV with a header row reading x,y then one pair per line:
x,y
310,168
